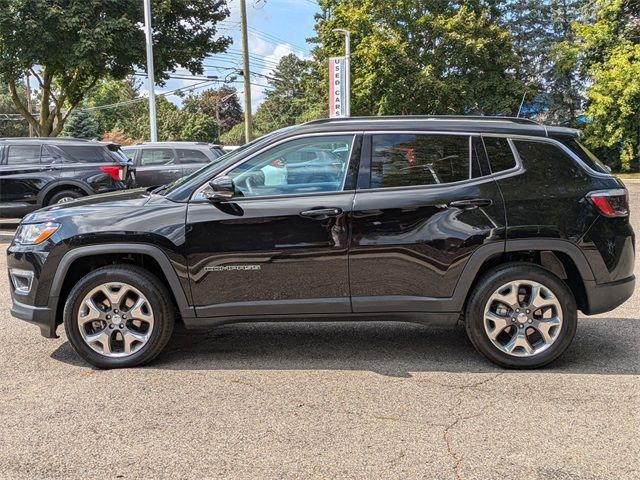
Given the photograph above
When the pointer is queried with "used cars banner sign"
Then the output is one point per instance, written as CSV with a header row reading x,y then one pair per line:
x,y
337,84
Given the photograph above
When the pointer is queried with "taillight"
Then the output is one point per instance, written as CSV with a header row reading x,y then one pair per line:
x,y
611,203
114,171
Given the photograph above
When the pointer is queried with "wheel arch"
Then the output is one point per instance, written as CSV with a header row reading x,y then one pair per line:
x,y
561,257
79,261
60,185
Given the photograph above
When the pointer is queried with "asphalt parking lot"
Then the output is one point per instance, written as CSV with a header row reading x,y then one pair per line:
x,y
325,400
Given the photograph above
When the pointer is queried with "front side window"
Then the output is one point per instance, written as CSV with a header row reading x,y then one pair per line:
x,y
152,157
23,155
129,153
307,165
404,160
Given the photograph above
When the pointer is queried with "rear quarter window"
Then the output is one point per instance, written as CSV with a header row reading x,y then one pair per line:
x,y
585,155
86,153
548,162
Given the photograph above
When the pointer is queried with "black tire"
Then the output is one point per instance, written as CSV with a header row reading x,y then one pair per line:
x,y
64,194
155,292
493,280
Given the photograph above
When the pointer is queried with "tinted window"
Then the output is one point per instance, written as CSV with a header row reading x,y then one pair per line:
x,y
548,162
192,156
401,160
586,155
299,166
500,154
23,155
156,156
85,153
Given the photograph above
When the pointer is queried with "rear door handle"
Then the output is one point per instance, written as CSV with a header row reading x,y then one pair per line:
x,y
471,203
321,213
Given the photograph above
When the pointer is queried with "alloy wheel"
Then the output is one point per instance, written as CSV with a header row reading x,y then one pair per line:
x,y
523,318
115,319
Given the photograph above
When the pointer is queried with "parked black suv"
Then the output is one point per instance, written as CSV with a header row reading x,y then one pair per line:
x,y
515,225
36,172
159,163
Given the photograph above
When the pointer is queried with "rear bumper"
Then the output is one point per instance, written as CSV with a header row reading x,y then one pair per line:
x,y
43,317
604,297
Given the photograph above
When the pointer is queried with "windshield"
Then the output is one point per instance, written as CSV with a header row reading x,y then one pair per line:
x,y
227,158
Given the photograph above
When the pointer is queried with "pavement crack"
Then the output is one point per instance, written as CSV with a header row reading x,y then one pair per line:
x,y
446,434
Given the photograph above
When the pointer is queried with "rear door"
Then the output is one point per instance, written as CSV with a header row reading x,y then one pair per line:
x,y
157,166
23,175
425,202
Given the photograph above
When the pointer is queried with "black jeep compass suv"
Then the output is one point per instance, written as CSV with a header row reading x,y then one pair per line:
x,y
510,225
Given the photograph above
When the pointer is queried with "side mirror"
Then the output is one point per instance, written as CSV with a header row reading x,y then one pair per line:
x,y
221,189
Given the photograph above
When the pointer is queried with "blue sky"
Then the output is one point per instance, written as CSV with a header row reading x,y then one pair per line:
x,y
276,28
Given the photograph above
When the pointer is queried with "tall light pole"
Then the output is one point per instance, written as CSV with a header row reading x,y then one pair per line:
x,y
248,124
347,61
150,77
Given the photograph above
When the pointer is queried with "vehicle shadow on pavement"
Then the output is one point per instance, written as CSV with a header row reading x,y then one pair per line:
x,y
601,346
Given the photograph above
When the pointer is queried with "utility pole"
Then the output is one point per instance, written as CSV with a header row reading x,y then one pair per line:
x,y
347,61
28,92
150,76
248,124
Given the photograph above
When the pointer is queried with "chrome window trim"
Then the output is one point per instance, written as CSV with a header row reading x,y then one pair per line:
x,y
197,194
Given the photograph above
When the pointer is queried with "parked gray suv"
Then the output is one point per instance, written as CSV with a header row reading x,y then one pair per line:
x,y
159,163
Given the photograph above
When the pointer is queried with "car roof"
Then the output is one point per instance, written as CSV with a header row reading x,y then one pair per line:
x,y
55,140
445,123
173,144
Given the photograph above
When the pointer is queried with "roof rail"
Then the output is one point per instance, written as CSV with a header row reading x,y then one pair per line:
x,y
47,139
496,118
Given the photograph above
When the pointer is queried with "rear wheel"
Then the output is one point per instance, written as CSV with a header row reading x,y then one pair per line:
x,y
521,316
64,196
119,316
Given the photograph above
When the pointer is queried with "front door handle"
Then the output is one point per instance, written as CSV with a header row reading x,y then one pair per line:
x,y
471,203
321,213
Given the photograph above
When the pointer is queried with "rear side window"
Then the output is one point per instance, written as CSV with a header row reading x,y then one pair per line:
x,y
156,156
500,154
23,155
402,160
192,156
86,153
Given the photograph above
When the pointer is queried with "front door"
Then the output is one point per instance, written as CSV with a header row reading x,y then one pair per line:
x,y
426,203
280,246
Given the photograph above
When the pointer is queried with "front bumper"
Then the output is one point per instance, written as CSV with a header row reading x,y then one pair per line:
x,y
604,297
43,317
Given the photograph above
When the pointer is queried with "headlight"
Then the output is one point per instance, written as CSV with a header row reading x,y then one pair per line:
x,y
35,233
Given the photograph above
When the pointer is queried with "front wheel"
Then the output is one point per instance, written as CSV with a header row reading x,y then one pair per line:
x,y
521,316
119,316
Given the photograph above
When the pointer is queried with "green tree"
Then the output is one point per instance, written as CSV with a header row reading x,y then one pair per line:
x,y
292,96
611,49
424,56
198,127
222,105
69,45
82,125
10,127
